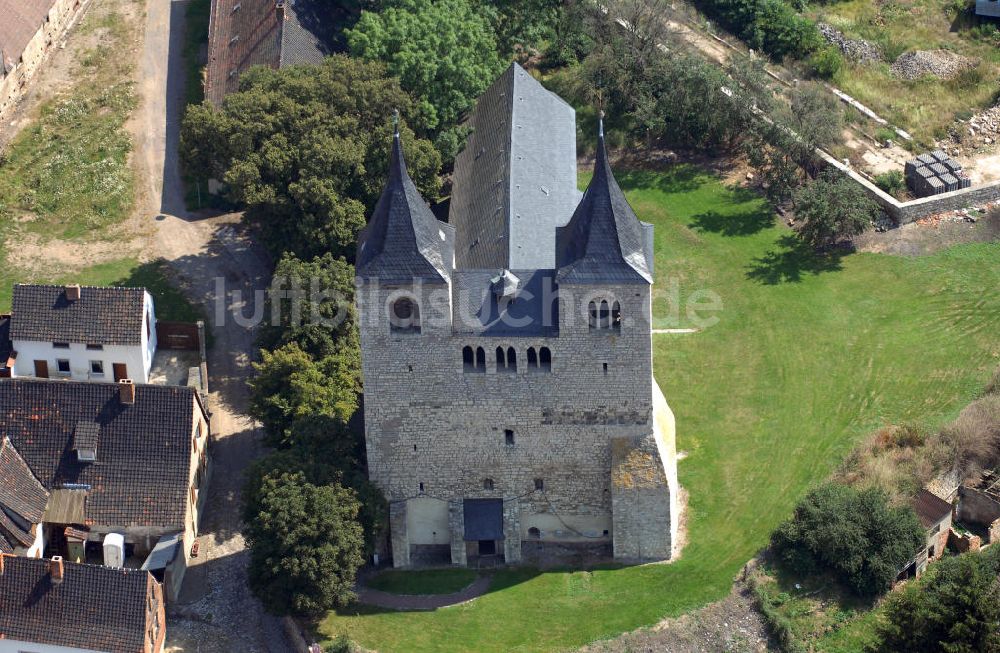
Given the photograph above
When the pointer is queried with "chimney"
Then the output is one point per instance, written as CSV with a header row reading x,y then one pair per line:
x,y
126,391
73,292
279,9
56,570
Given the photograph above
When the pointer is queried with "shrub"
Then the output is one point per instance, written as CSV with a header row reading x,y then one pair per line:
x,y
826,62
891,182
833,207
769,25
856,535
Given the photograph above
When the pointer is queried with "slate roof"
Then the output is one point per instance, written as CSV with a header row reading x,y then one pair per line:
x,y
403,240
21,20
263,37
515,180
930,508
141,475
102,316
96,608
478,310
604,242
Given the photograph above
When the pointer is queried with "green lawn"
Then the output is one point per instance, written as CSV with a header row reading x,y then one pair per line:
x,y
427,581
808,355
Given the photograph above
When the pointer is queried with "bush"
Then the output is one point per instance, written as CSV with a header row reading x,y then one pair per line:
x,y
826,62
854,534
833,207
891,182
772,26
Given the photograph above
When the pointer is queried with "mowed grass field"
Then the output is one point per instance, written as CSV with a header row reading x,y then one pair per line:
x,y
807,356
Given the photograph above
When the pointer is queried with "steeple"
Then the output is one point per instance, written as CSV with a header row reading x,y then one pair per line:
x,y
604,241
403,241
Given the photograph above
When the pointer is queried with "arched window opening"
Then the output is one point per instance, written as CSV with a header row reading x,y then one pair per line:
x,y
532,358
534,533
616,316
480,359
604,317
468,363
487,483
545,359
511,359
501,360
404,316
592,315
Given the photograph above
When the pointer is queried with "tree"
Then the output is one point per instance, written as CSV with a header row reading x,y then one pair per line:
x,y
523,23
833,207
305,149
953,608
290,385
444,53
311,303
305,544
856,535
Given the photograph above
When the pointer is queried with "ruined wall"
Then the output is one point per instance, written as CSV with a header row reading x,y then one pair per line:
x,y
430,422
976,507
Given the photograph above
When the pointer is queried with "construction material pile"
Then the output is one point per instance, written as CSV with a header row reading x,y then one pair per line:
x,y
854,49
935,173
939,63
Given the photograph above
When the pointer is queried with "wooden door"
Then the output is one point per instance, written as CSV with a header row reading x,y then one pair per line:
x,y
42,369
121,371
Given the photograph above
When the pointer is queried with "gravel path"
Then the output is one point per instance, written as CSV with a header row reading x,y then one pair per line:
x,y
389,601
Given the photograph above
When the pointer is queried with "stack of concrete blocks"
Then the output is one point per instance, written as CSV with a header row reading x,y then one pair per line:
x,y
934,173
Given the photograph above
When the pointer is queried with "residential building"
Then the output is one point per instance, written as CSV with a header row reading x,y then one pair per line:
x,y
84,333
88,465
6,362
273,33
57,606
28,30
935,516
510,407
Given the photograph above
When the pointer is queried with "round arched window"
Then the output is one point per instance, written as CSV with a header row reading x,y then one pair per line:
x,y
404,316
534,533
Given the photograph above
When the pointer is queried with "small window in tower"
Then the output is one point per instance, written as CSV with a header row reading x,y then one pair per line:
x,y
421,486
605,532
534,533
532,358
480,359
545,359
539,484
468,363
616,316
501,360
404,316
511,359
605,369
508,436
487,483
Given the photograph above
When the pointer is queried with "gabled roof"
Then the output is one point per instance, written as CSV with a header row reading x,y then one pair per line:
x,y
102,316
403,240
141,475
515,180
21,20
20,491
96,608
604,242
930,508
246,33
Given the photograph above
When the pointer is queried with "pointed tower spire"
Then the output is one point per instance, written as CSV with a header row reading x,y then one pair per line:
x,y
604,242
403,241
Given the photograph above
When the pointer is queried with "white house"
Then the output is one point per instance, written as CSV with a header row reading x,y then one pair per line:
x,y
56,606
82,333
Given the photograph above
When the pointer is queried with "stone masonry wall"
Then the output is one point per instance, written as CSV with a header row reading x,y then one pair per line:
x,y
434,429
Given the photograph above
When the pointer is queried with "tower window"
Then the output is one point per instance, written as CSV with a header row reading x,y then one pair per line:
x,y
480,359
421,486
404,316
605,369
468,360
545,359
501,360
508,436
511,359
534,533
532,359
487,483
602,314
539,484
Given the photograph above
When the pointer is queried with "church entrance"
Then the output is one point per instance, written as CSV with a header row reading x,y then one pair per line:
x,y
487,547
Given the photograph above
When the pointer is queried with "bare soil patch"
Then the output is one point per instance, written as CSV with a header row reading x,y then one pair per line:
x,y
932,234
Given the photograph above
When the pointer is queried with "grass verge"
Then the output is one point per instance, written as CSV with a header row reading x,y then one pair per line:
x,y
808,355
427,581
196,22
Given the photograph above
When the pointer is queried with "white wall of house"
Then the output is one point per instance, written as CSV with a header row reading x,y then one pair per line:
x,y
137,359
17,646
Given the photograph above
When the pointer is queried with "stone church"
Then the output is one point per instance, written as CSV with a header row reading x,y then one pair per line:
x,y
510,408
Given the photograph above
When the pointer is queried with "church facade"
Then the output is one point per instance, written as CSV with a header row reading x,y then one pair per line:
x,y
510,408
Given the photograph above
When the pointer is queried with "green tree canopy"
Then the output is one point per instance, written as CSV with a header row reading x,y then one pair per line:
x,y
305,149
290,385
833,207
953,608
855,534
305,544
443,51
311,303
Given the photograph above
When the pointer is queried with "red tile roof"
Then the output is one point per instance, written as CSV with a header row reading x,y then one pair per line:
x,y
930,508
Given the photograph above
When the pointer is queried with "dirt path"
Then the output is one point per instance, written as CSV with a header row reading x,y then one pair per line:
x,y
216,613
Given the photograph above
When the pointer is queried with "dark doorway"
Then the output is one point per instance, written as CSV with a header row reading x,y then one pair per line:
x,y
42,369
121,371
487,547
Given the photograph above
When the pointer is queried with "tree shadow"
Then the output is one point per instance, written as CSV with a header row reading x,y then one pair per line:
x,y
678,178
794,260
744,223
